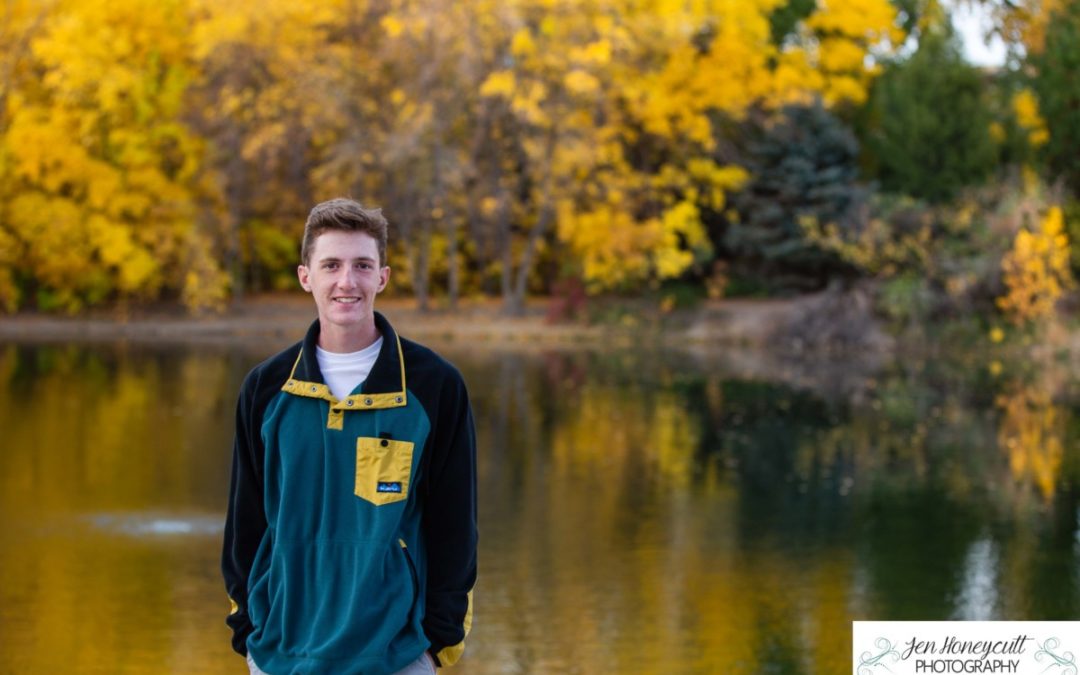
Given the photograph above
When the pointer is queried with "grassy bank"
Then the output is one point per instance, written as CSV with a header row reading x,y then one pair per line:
x,y
726,322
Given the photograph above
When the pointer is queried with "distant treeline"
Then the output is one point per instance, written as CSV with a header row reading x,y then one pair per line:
x,y
170,149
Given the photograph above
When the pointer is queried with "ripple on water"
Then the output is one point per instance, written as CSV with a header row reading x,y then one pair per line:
x,y
159,525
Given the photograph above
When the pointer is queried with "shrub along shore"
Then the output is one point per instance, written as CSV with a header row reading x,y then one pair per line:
x,y
830,322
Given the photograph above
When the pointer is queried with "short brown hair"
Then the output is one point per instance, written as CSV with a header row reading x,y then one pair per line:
x,y
343,214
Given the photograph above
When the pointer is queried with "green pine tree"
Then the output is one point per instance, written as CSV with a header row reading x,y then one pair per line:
x,y
1057,85
930,123
803,164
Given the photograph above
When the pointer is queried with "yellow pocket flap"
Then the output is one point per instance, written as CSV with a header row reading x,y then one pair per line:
x,y
383,469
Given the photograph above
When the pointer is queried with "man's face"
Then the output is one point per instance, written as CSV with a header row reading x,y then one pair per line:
x,y
344,277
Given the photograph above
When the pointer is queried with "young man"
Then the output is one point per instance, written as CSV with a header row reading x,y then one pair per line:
x,y
350,542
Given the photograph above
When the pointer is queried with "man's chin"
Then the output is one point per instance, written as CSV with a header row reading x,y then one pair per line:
x,y
348,316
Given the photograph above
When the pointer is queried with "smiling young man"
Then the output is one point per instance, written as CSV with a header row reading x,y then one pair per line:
x,y
350,541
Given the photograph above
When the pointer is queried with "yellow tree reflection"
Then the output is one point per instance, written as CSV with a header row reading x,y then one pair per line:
x,y
1031,432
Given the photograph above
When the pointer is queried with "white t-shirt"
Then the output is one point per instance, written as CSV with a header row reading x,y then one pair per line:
x,y
343,372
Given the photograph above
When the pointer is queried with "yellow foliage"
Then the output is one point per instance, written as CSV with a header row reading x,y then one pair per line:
x,y
392,25
1036,271
876,248
597,53
1026,108
594,71
522,44
839,55
683,220
498,83
848,30
9,292
581,83
1024,22
98,157
715,180
206,285
291,26
103,174
997,132
610,243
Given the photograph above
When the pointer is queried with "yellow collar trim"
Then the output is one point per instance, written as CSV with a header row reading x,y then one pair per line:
x,y
394,399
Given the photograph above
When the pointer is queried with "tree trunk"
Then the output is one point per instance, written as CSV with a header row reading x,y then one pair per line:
x,y
420,272
506,254
521,283
234,195
515,304
453,280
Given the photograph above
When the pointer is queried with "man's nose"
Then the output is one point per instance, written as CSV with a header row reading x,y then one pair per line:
x,y
348,278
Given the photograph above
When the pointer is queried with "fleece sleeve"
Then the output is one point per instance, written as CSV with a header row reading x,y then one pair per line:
x,y
449,523
245,522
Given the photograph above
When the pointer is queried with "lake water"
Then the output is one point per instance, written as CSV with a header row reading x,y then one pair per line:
x,y
640,512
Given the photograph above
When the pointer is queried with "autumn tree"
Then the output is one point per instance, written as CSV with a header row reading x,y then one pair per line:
x,y
614,103
20,23
270,74
1023,24
148,147
103,179
1036,271
421,137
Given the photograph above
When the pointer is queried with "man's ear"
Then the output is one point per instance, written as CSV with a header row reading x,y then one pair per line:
x,y
384,278
302,275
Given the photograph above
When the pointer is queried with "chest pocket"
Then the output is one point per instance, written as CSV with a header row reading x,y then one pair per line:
x,y
383,469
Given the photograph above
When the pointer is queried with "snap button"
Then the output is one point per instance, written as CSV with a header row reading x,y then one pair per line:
x,y
368,401
314,388
399,399
384,443
349,403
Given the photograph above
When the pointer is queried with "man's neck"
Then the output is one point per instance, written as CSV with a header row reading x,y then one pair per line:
x,y
345,341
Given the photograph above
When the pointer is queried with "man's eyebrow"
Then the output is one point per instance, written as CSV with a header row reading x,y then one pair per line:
x,y
334,258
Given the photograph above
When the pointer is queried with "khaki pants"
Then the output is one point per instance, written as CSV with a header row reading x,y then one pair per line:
x,y
421,666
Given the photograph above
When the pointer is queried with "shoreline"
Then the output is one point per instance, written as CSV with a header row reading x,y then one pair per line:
x,y
745,323
817,327
748,338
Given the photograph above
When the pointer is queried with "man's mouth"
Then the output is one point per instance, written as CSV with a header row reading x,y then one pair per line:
x,y
347,300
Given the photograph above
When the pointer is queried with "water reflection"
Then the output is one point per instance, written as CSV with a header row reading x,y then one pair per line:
x,y
978,597
113,428
643,512
1031,432
163,525
112,479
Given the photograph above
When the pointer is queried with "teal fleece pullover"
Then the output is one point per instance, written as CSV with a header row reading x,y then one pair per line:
x,y
350,541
